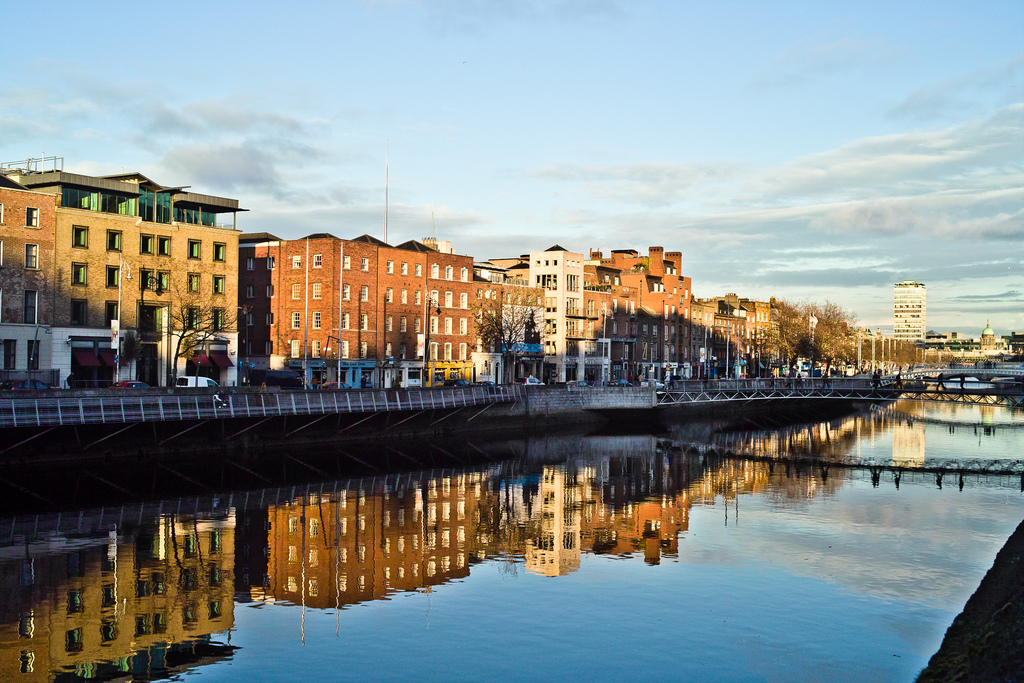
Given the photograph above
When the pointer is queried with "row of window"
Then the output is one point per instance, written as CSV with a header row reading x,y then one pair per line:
x,y
159,280
295,348
149,245
316,322
10,360
80,315
364,265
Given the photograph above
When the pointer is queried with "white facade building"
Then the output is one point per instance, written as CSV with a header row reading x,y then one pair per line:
x,y
909,311
560,274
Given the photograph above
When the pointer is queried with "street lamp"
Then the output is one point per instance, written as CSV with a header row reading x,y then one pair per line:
x,y
430,305
245,358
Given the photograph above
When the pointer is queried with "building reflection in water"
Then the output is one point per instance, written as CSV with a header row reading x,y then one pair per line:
x,y
140,602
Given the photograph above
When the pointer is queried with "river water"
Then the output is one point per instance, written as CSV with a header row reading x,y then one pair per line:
x,y
607,557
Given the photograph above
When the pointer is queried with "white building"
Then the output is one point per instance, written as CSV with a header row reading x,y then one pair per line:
x,y
909,311
560,274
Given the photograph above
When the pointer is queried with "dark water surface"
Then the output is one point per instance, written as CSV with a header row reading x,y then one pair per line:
x,y
605,557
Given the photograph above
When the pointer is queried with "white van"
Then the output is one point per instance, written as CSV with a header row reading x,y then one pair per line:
x,y
189,381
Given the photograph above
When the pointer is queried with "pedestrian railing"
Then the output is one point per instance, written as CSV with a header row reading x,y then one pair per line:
x,y
43,412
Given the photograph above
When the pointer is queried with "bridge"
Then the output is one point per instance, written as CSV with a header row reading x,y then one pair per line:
x,y
691,392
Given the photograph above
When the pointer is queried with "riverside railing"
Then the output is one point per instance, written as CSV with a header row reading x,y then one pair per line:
x,y
47,412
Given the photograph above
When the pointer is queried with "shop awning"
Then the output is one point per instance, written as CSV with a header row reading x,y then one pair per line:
x,y
202,360
221,360
86,359
108,356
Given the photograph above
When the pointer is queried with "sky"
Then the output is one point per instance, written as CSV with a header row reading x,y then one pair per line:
x,y
803,150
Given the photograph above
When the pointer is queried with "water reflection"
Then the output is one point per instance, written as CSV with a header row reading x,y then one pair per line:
x,y
149,591
140,600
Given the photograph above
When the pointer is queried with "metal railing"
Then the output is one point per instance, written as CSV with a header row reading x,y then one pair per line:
x,y
45,412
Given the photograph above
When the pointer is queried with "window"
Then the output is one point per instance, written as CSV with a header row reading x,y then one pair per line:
x,y
390,267
113,240
465,274
447,299
344,321
316,320
463,326
270,263
296,320
419,270
364,321
31,296
296,262
433,324
363,347
32,217
296,291
447,350
344,349
146,244
250,292
434,270
269,347
318,290
389,295
364,264
447,325
388,324
10,353
219,320
318,260
295,348
195,249
416,324
270,318
346,263
220,251
449,272
364,293
79,274
218,284
163,246
250,263
403,324
79,237
32,256
193,282
463,300
405,265
417,298
345,292
113,276
109,312
163,277
78,311
405,296
270,291
463,348
315,352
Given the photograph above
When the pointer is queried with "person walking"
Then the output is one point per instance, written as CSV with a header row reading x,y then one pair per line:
x,y
70,380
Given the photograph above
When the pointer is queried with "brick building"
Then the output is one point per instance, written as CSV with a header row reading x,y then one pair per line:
x,y
130,254
357,311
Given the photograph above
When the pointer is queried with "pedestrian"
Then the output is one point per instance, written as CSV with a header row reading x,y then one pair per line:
x,y
71,380
218,400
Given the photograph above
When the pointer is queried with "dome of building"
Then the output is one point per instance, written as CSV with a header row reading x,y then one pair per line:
x,y
987,332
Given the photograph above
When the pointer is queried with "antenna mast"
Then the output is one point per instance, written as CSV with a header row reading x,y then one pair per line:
x,y
386,145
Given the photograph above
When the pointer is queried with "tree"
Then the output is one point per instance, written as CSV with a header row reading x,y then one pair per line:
x,y
506,318
197,320
833,341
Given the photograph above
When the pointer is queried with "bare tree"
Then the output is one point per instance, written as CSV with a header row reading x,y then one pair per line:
x,y
504,320
833,341
196,320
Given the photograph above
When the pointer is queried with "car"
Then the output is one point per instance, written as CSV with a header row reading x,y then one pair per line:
x,y
129,384
579,383
656,383
334,386
191,381
619,383
528,381
23,385
457,383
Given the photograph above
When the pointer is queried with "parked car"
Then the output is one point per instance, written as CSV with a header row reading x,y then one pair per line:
x,y
23,385
334,386
619,383
129,384
486,383
529,381
457,383
190,381
656,383
579,383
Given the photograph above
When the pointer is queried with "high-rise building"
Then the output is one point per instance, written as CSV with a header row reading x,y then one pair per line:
x,y
908,311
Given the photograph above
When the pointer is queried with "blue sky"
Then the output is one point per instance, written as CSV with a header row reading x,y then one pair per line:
x,y
801,150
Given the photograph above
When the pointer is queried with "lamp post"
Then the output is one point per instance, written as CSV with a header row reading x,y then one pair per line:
x,y
245,357
430,305
812,321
